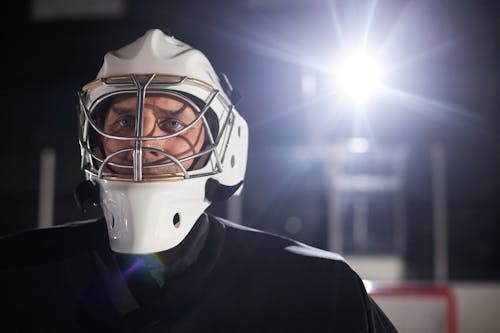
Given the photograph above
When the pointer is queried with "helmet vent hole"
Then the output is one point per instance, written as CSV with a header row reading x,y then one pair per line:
x,y
239,131
113,223
177,220
233,161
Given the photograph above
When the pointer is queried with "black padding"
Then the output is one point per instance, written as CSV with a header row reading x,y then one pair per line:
x,y
86,194
233,94
217,192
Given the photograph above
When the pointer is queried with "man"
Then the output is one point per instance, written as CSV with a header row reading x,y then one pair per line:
x,y
161,140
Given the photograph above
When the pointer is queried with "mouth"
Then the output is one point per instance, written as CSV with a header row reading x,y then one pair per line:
x,y
159,166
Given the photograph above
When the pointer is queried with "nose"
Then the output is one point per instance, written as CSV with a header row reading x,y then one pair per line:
x,y
150,126
150,155
152,129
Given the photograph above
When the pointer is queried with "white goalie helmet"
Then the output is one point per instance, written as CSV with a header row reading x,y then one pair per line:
x,y
161,140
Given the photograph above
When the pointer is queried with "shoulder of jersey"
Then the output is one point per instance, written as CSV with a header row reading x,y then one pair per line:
x,y
288,245
51,244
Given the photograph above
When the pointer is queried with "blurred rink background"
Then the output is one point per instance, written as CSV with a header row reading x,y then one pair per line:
x,y
374,131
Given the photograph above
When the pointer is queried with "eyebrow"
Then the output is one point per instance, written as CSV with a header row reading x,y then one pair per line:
x,y
127,110
169,111
121,110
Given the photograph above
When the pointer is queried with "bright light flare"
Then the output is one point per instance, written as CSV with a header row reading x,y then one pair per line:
x,y
358,145
358,76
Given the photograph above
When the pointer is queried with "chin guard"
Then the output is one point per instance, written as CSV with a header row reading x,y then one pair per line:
x,y
217,192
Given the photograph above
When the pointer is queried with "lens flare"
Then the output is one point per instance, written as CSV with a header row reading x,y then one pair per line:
x,y
358,76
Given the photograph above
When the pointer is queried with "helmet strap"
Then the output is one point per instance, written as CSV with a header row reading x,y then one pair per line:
x,y
217,192
86,195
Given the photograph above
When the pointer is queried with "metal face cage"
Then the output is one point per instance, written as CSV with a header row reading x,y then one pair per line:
x,y
212,109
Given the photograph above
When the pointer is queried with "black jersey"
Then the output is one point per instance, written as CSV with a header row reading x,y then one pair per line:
x,y
222,278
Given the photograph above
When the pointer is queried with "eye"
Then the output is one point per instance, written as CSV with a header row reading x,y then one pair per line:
x,y
169,125
126,122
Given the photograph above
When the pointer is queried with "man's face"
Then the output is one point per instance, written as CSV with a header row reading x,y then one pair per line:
x,y
163,115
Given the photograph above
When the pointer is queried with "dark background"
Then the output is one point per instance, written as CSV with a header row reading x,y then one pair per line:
x,y
446,52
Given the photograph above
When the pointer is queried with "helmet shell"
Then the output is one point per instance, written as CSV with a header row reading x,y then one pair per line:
x,y
141,215
156,52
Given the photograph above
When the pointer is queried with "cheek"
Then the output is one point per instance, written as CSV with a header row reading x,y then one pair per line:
x,y
196,139
176,146
111,145
188,144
